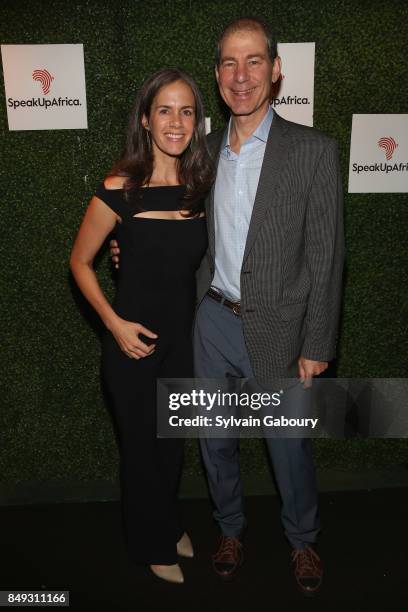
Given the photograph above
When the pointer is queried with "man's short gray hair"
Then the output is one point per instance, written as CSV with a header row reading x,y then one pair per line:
x,y
247,24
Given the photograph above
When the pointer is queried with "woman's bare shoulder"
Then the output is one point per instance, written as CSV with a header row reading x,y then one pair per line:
x,y
114,182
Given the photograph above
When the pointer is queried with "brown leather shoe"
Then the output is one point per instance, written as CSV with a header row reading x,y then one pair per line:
x,y
229,557
307,569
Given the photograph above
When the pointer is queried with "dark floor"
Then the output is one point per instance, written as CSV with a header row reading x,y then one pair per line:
x,y
79,547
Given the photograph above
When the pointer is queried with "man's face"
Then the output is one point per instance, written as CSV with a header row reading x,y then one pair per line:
x,y
246,72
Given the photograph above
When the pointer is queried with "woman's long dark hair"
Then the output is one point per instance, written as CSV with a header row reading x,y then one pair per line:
x,y
195,168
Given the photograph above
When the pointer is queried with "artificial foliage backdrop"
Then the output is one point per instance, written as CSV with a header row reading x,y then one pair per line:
x,y
54,422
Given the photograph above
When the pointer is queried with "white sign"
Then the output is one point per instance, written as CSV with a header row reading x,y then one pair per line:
x,y
379,154
296,95
45,86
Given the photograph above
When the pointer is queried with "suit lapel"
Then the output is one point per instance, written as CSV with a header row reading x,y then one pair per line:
x,y
275,155
214,146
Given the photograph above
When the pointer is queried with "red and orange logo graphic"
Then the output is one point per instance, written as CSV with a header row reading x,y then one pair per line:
x,y
45,78
389,145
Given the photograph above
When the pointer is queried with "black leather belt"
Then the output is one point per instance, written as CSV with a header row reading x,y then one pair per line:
x,y
218,297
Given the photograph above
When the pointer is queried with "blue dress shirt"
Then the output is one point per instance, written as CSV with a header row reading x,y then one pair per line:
x,y
235,190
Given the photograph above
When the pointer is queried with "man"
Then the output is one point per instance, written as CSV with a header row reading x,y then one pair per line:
x,y
273,272
269,287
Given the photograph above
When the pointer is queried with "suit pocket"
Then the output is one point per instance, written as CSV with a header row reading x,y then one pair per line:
x,y
292,311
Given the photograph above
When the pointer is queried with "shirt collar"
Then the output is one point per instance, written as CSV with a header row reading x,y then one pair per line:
x,y
261,132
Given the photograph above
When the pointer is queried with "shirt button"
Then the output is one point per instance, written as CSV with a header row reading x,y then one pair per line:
x,y
240,192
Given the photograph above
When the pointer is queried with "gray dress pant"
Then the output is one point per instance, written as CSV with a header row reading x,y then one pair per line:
x,y
220,351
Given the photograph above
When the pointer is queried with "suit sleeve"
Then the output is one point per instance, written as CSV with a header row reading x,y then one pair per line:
x,y
324,249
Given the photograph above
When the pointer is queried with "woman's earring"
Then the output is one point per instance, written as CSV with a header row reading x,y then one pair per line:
x,y
149,138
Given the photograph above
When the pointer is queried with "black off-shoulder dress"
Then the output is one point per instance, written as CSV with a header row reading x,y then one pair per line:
x,y
156,287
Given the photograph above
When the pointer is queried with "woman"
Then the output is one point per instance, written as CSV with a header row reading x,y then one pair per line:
x,y
153,198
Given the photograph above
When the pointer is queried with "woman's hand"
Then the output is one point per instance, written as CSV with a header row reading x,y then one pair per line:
x,y
126,335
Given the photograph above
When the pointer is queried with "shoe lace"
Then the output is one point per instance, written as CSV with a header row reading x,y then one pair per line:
x,y
307,561
227,548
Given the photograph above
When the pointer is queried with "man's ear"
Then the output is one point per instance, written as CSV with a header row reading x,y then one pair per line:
x,y
217,74
276,69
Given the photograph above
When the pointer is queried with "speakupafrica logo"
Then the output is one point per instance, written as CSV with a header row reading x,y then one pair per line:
x,y
290,100
389,145
45,78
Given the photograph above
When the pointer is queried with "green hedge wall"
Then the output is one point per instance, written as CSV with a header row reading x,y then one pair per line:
x,y
54,423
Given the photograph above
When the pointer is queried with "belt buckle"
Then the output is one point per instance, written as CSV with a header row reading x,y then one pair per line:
x,y
236,309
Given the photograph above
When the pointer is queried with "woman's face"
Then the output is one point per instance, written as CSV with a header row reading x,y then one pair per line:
x,y
172,119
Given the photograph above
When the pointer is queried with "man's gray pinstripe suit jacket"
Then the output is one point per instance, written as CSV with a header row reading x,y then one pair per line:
x,y
291,276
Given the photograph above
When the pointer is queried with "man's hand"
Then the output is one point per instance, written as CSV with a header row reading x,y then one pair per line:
x,y
115,252
309,368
